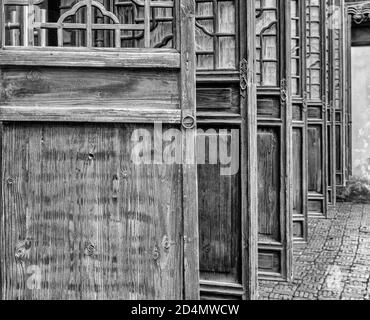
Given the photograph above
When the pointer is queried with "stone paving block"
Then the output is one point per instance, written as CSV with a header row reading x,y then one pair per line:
x,y
334,264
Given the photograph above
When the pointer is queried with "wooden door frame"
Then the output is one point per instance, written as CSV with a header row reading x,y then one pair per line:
x,y
249,156
181,58
320,104
300,102
246,122
281,92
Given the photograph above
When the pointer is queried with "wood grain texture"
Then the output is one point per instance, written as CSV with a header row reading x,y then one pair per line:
x,y
315,159
219,219
91,114
85,87
186,16
92,224
269,187
123,58
273,78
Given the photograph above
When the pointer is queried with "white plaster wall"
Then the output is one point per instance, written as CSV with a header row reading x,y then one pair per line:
x,y
361,111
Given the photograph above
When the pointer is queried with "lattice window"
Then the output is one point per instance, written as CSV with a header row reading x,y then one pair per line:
x,y
90,23
267,45
296,46
216,34
336,26
314,49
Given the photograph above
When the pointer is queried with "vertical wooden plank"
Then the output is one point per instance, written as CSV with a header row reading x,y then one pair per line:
x,y
317,101
89,21
60,36
29,24
2,23
117,34
99,226
348,85
1,208
331,84
43,14
288,140
249,152
147,23
190,190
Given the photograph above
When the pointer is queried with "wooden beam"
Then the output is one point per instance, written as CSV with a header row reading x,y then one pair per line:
x,y
66,57
190,184
90,114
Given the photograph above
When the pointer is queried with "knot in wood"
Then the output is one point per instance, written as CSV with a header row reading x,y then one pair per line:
x,y
33,75
89,249
166,244
22,250
156,254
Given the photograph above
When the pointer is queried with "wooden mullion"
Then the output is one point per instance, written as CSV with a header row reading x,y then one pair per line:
x,y
249,154
190,184
2,249
147,23
215,38
89,22
2,21
30,21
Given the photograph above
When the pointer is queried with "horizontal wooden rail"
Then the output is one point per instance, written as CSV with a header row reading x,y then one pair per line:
x,y
89,114
82,57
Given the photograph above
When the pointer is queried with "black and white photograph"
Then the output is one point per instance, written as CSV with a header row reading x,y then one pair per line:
x,y
165,151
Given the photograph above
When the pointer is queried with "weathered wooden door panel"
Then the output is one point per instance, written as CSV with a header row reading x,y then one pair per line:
x,y
338,98
82,221
274,138
226,111
316,88
219,207
269,184
336,95
98,123
299,120
315,159
299,184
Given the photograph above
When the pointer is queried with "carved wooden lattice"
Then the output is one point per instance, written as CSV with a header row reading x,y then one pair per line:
x,y
314,53
296,45
90,23
267,43
216,35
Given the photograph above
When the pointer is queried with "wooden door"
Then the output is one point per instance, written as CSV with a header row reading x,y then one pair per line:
x,y
299,120
337,29
226,117
331,71
316,106
274,138
99,181
347,98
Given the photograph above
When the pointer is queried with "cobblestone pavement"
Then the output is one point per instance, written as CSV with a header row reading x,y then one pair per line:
x,y
335,264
